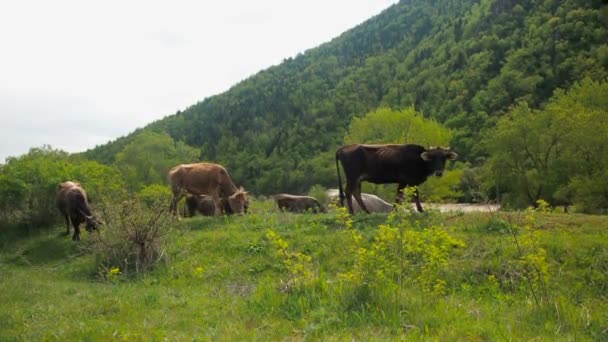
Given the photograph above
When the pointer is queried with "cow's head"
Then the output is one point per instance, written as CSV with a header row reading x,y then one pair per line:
x,y
92,223
238,202
435,158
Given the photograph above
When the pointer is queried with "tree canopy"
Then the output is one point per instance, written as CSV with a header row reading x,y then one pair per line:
x,y
558,153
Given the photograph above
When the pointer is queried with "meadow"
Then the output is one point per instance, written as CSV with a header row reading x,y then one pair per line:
x,y
270,276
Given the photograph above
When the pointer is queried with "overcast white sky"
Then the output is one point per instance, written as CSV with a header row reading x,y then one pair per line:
x,y
74,74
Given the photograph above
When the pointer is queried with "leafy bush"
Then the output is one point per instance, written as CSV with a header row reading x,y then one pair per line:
x,y
297,264
28,184
154,193
400,254
318,191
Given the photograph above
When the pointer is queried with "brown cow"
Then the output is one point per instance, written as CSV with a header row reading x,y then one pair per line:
x,y
206,179
73,203
297,204
407,165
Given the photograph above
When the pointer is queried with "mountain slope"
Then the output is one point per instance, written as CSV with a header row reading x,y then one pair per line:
x,y
461,62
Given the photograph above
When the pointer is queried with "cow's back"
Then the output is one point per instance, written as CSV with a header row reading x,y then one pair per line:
x,y
66,191
390,163
72,199
198,178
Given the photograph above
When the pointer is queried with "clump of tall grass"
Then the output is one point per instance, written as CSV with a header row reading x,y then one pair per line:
x,y
133,238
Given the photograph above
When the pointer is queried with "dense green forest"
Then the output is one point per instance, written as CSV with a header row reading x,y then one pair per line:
x,y
517,88
464,63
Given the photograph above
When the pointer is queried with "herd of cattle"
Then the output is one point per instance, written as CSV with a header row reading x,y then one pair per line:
x,y
210,191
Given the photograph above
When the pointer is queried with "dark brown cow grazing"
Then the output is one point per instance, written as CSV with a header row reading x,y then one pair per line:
x,y
206,179
204,205
298,204
407,165
73,204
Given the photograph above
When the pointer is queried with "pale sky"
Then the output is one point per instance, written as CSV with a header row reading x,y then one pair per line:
x,y
74,74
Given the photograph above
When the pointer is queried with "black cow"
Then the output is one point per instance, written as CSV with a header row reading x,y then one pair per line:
x,y
73,204
407,165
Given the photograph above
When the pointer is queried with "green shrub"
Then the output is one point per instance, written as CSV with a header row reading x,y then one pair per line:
x,y
151,194
318,191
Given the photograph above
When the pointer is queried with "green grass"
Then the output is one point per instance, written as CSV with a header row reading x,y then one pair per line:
x,y
49,289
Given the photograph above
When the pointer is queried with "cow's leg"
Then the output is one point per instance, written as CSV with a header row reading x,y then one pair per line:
x,y
176,196
217,203
417,200
173,205
399,198
67,224
76,235
348,191
357,194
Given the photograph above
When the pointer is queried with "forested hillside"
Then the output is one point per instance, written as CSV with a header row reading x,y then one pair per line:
x,y
463,63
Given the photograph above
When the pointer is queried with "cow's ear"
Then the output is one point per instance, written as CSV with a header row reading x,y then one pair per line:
x,y
452,155
425,156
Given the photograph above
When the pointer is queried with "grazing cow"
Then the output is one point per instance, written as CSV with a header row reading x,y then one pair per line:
x,y
407,165
73,204
298,204
206,179
373,203
204,205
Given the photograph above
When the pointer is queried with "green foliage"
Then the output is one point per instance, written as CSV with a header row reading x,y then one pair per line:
x,y
443,189
154,193
399,256
558,153
532,259
461,63
386,126
297,264
28,183
318,191
147,159
229,267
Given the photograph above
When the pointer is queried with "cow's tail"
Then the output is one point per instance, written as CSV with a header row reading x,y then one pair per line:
x,y
341,191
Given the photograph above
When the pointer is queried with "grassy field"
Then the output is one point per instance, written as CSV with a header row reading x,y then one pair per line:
x,y
269,276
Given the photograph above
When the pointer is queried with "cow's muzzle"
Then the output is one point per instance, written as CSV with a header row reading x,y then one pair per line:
x,y
438,173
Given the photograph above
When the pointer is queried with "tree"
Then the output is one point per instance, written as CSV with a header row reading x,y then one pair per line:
x,y
524,151
584,158
559,153
387,126
148,158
